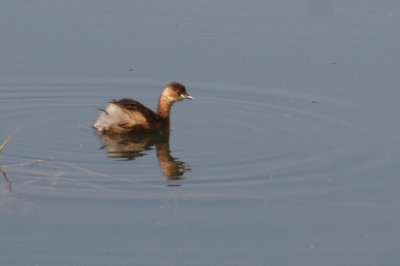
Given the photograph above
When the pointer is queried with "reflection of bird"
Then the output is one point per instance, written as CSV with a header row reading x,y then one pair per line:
x,y
171,168
130,116
132,146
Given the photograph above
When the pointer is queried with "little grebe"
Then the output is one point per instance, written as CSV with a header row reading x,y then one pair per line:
x,y
130,116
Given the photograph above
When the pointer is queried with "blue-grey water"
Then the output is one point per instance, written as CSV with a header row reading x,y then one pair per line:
x,y
290,154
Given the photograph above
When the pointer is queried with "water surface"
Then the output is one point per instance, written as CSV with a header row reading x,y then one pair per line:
x,y
288,155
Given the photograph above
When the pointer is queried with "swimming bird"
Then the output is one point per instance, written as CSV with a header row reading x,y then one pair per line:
x,y
130,116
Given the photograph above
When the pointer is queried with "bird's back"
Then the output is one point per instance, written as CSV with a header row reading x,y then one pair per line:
x,y
127,115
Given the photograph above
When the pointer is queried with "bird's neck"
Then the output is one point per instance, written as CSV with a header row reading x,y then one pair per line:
x,y
164,108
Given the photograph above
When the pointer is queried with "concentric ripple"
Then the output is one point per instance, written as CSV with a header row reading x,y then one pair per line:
x,y
228,136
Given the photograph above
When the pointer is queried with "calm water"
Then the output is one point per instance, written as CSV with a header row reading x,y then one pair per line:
x,y
289,155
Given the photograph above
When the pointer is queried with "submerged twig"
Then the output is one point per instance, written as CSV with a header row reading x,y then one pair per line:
x,y
6,178
1,148
8,139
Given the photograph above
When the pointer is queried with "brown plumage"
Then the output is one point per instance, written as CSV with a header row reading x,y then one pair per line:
x,y
130,116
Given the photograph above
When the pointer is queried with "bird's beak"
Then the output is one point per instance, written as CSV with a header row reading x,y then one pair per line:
x,y
189,97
